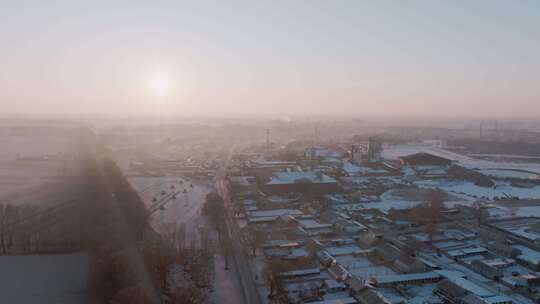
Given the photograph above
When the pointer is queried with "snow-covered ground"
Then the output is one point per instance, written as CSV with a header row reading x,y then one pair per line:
x,y
47,159
33,146
353,169
505,173
528,211
227,287
44,279
396,151
470,191
185,209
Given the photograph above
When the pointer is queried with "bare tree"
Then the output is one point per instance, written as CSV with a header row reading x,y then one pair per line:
x,y
274,275
3,228
132,295
430,229
257,238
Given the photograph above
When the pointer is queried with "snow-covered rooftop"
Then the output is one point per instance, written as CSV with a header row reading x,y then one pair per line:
x,y
281,178
407,277
343,250
274,213
527,254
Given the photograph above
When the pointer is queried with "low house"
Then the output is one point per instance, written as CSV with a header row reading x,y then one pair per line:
x,y
349,226
455,289
243,183
320,153
303,291
260,216
406,264
410,278
474,299
424,159
298,273
325,258
334,286
339,273
530,258
313,227
344,250
348,300
311,182
367,295
493,268
528,280
284,249
464,252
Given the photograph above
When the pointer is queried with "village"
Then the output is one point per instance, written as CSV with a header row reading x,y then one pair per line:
x,y
372,222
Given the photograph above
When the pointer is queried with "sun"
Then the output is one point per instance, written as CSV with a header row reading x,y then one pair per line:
x,y
159,84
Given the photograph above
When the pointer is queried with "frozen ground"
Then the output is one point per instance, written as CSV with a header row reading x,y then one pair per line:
x,y
44,279
395,151
227,288
185,209
528,211
469,191
18,176
33,146
505,173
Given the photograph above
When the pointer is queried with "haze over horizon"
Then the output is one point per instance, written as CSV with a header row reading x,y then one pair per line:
x,y
419,58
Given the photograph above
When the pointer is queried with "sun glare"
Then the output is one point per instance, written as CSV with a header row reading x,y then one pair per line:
x,y
159,84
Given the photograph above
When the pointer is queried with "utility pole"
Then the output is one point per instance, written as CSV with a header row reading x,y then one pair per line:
x,y
316,139
480,131
268,141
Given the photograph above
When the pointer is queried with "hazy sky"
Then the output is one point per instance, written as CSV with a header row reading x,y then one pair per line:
x,y
473,58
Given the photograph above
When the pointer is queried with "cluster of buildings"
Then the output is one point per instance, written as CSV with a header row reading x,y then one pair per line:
x,y
360,229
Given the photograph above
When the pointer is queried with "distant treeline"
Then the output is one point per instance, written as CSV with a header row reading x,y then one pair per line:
x,y
42,130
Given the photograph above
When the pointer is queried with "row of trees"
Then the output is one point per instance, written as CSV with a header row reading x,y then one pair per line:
x,y
112,224
12,238
275,269
106,218
214,209
65,226
131,206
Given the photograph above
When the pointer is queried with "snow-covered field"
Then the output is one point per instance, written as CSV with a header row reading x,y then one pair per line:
x,y
185,209
44,279
33,146
17,175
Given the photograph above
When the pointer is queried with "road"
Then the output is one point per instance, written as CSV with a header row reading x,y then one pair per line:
x,y
241,262
227,287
